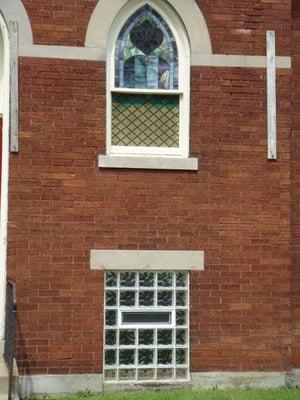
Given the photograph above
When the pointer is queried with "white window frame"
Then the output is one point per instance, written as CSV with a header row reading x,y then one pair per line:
x,y
180,34
136,327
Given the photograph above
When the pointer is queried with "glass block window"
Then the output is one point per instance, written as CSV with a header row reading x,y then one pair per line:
x,y
146,53
146,327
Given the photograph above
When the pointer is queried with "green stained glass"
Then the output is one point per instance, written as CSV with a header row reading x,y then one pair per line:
x,y
146,53
145,120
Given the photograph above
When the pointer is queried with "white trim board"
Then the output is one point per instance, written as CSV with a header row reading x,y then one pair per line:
x,y
99,54
147,260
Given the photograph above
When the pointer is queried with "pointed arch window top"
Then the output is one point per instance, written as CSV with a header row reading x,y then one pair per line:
x,y
146,55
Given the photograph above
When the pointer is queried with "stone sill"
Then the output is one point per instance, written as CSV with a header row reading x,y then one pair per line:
x,y
140,162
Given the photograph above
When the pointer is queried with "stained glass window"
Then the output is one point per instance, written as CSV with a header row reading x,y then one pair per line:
x,y
146,54
145,120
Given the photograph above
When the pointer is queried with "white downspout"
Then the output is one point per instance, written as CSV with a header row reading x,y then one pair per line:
x,y
4,178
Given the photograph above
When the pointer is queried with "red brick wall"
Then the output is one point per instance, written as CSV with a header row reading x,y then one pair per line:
x,y
235,208
296,181
236,27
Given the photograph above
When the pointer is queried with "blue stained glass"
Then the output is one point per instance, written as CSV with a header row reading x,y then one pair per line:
x,y
146,54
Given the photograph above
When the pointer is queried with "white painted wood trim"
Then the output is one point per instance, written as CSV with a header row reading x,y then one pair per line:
x,y
271,95
140,162
155,260
201,60
14,87
4,179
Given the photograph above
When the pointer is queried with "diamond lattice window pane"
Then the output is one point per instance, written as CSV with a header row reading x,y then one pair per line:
x,y
145,120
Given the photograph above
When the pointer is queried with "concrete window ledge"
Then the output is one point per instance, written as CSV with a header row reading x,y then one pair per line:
x,y
147,260
167,163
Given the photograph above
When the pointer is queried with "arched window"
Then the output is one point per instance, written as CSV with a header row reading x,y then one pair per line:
x,y
148,74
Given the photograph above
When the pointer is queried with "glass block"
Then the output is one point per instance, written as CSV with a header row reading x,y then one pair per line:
x,y
110,318
181,356
181,299
146,299
127,337
145,374
111,298
181,374
111,279
127,279
126,357
181,337
164,357
146,337
127,299
146,279
110,357
181,279
164,374
146,357
164,299
110,338
165,279
165,337
110,375
145,120
181,317
127,374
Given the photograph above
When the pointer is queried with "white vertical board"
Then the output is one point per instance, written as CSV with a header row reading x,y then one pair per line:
x,y
14,87
271,95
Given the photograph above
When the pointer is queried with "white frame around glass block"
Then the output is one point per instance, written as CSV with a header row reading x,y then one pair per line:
x,y
155,372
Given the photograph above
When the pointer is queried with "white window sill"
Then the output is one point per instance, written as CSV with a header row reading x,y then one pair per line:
x,y
168,163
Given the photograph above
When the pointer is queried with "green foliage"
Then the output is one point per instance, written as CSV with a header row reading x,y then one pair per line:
x,y
282,394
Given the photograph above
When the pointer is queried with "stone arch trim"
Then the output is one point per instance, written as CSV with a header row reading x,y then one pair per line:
x,y
106,11
14,10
